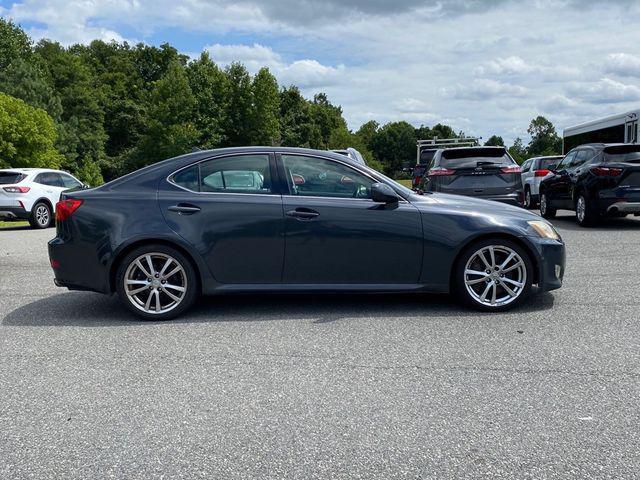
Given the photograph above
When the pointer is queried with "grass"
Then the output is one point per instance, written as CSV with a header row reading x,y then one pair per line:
x,y
21,223
406,183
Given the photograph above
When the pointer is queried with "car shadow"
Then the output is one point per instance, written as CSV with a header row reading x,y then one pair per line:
x,y
568,222
82,309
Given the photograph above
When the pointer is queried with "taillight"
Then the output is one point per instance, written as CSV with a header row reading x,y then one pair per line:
x,y
542,173
606,171
16,189
512,169
65,208
439,171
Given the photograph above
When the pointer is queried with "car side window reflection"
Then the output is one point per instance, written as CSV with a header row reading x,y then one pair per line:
x,y
318,177
566,161
235,174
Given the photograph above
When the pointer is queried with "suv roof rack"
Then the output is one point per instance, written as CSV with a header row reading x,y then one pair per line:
x,y
438,143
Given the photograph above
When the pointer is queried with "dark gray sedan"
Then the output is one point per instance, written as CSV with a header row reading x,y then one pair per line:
x,y
283,219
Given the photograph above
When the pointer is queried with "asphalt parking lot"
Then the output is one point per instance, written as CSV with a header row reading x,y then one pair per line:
x,y
325,386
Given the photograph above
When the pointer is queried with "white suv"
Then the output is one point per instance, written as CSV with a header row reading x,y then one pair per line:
x,y
32,193
533,172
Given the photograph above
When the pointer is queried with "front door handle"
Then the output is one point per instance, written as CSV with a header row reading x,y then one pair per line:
x,y
184,209
303,213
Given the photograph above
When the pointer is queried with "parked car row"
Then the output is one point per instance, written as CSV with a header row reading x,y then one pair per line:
x,y
32,194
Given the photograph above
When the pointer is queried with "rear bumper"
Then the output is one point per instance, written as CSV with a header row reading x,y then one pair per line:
x,y
76,267
13,213
623,200
515,198
623,207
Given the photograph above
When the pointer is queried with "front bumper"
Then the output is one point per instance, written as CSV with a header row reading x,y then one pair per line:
x,y
13,213
551,260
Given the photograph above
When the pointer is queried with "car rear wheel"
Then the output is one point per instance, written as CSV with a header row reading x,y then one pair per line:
x,y
528,199
156,282
545,210
494,275
585,216
41,216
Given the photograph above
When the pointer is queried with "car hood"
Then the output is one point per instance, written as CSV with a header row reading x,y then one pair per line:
x,y
473,206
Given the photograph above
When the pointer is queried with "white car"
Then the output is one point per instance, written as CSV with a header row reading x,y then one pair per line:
x,y
533,172
32,193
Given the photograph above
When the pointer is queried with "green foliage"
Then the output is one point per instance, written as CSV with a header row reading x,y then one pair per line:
x,y
240,106
394,145
14,43
27,135
265,115
494,141
544,139
518,151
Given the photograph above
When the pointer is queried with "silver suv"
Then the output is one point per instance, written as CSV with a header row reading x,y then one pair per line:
x,y
534,171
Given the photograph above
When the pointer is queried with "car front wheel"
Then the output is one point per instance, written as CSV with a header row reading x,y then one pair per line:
x,y
494,275
41,216
156,282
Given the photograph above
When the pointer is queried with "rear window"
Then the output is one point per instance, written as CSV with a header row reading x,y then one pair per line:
x,y
622,153
427,155
7,178
545,163
473,157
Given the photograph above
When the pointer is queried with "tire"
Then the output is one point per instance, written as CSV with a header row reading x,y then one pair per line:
x,y
545,210
140,299
585,214
41,216
518,271
528,200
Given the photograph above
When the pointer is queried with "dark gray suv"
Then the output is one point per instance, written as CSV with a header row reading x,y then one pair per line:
x,y
483,172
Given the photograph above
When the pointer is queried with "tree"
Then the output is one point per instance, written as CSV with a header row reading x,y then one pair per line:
x,y
14,43
171,131
494,141
544,139
367,131
394,145
518,151
27,135
239,107
295,121
210,87
265,115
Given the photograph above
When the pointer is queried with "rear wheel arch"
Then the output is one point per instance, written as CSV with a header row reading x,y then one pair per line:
x,y
113,271
46,201
498,235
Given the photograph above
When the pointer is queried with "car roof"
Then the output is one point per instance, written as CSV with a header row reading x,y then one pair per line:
x,y
31,170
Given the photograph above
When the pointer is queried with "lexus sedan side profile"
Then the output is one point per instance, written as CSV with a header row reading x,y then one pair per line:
x,y
596,181
263,219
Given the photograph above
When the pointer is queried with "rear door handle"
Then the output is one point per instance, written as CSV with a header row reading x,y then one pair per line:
x,y
184,209
303,213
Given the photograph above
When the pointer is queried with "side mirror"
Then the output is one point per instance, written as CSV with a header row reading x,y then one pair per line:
x,y
383,193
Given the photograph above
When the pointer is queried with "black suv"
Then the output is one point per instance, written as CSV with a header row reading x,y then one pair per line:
x,y
483,172
594,180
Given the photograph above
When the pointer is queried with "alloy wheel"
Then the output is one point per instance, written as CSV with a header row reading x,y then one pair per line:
x,y
155,283
42,215
495,275
527,199
581,209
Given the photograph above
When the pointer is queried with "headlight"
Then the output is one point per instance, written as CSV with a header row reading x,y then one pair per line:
x,y
544,229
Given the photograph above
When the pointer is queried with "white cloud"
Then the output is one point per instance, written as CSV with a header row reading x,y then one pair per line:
x,y
605,91
306,73
484,89
513,65
623,64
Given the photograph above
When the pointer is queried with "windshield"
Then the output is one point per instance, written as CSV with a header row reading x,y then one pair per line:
x,y
473,157
11,177
623,154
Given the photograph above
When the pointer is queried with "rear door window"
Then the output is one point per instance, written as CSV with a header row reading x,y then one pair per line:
x,y
237,174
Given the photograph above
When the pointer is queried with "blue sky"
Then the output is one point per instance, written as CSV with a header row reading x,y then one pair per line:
x,y
483,66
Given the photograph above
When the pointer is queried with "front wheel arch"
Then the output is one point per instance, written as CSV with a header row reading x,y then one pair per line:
x,y
139,243
512,238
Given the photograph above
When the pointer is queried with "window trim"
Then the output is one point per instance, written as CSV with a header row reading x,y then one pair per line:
x,y
270,160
